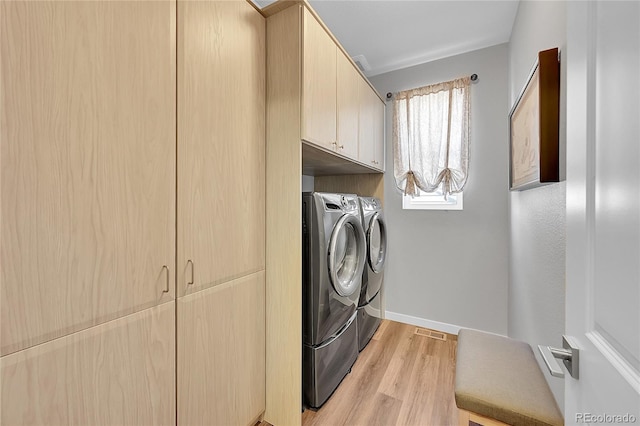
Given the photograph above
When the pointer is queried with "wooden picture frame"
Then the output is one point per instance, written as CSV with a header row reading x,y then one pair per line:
x,y
534,131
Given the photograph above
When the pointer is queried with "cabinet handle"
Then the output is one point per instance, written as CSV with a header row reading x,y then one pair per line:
x,y
192,272
166,290
341,146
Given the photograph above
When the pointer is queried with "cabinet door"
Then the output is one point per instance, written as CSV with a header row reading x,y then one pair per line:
x,y
87,162
371,143
118,373
348,107
379,135
366,144
221,354
319,84
221,142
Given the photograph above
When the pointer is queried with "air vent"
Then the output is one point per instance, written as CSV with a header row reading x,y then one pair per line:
x,y
362,63
431,333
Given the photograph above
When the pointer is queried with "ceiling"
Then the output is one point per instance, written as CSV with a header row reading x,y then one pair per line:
x,y
394,34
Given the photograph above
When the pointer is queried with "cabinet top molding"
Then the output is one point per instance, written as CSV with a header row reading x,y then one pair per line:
x,y
280,5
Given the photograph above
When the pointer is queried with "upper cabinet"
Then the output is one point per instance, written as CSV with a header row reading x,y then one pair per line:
x,y
88,165
348,107
366,153
371,128
334,96
379,132
319,85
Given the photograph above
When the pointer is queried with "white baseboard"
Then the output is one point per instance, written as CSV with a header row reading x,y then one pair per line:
x,y
421,322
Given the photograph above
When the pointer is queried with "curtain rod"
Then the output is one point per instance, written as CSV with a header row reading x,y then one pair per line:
x,y
474,78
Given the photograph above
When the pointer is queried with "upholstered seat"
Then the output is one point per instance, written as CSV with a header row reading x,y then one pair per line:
x,y
499,378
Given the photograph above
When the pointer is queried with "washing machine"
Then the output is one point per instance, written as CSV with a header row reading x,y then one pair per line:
x,y
333,259
369,314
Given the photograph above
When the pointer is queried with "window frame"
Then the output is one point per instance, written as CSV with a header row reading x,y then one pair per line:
x,y
434,201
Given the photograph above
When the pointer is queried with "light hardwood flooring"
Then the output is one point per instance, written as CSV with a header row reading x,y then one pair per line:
x,y
400,378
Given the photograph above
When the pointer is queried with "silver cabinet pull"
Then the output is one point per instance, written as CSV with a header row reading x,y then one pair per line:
x,y
569,354
192,272
166,290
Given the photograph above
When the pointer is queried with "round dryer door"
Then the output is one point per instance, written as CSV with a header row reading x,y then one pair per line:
x,y
346,255
376,243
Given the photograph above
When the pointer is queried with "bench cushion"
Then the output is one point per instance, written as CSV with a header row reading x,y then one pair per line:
x,y
498,377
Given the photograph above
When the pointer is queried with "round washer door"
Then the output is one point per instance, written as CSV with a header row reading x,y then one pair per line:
x,y
376,243
346,255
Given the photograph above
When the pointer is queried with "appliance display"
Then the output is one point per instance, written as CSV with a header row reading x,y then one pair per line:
x,y
333,259
369,306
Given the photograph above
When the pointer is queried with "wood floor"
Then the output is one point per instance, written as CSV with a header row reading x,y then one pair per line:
x,y
401,378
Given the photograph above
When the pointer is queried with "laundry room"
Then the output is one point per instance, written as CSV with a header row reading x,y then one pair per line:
x,y
431,255
319,213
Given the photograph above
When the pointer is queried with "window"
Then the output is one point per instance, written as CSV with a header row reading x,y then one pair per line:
x,y
431,144
432,201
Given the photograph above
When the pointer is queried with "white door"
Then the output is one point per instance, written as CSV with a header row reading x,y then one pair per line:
x,y
603,213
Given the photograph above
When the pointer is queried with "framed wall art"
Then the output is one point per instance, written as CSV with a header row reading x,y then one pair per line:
x,y
534,126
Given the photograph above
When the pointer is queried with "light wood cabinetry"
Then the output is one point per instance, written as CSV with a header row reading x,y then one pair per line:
x,y
340,111
222,326
87,163
221,213
284,219
370,184
371,130
366,153
319,80
348,107
131,176
379,133
118,373
221,150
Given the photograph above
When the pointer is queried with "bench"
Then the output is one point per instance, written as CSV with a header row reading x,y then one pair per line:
x,y
498,382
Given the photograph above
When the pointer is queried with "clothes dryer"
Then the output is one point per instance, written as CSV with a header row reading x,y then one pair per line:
x,y
332,264
369,306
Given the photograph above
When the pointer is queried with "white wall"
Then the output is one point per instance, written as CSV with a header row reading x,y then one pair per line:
x,y
452,266
537,216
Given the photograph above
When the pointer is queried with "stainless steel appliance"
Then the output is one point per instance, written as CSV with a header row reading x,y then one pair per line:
x,y
333,258
369,306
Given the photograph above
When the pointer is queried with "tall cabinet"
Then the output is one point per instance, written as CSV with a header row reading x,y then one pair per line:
x,y
132,213
221,213
88,211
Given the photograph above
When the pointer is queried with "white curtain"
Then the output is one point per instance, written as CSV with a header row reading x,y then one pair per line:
x,y
431,137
